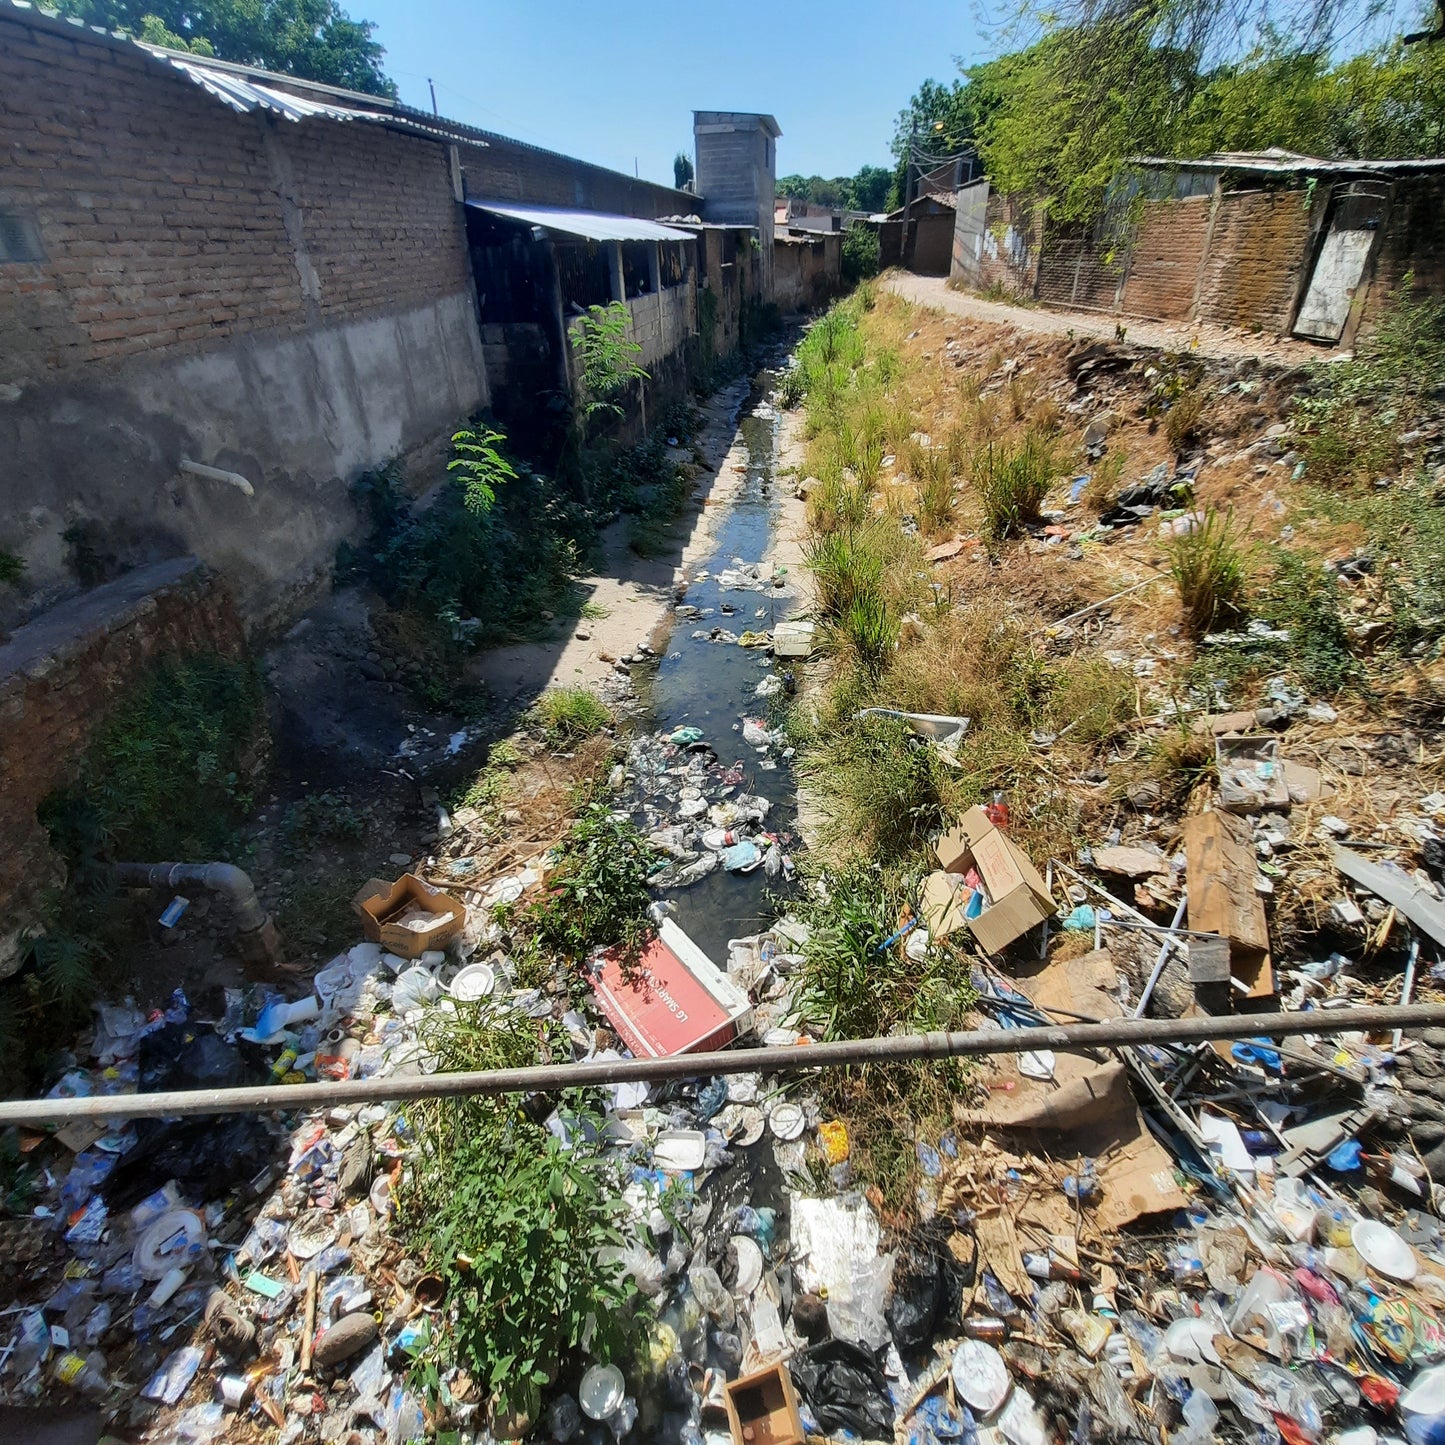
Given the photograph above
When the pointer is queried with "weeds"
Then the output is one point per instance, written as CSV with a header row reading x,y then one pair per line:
x,y
1012,483
1101,491
933,482
1303,597
318,817
1210,574
1179,759
597,893
569,714
1183,419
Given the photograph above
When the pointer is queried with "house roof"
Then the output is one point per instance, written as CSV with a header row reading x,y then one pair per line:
x,y
1276,161
592,225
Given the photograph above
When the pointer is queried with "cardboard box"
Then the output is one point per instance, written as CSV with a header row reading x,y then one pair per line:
x,y
674,1001
1020,896
380,904
763,1408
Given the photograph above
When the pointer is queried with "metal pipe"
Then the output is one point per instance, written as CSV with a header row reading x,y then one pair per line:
x,y
256,932
217,474
1072,1038
1170,941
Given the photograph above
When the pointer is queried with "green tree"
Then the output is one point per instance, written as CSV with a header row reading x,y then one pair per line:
x,y
311,39
682,171
868,189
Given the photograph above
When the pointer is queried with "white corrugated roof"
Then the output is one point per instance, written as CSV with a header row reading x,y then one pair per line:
x,y
593,225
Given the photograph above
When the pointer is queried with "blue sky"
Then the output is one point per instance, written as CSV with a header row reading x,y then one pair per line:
x,y
615,80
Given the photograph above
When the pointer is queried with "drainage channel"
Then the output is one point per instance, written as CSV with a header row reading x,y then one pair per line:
x,y
711,684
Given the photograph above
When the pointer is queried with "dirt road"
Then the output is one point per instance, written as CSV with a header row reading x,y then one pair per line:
x,y
1226,343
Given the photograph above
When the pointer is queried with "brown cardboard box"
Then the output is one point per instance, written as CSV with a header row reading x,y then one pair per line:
x,y
1020,896
380,904
765,1406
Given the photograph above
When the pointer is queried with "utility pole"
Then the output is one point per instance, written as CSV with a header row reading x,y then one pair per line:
x,y
433,90
908,194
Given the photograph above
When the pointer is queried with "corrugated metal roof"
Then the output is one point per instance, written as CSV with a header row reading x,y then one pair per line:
x,y
593,225
1276,161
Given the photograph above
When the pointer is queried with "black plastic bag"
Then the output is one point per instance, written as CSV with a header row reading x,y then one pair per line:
x,y
206,1156
845,1389
927,1290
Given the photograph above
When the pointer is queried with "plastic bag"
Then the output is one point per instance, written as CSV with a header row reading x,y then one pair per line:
x,y
856,1313
845,1389
708,1290
413,989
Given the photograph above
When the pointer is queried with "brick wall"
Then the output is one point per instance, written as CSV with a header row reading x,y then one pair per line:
x,y
59,678
1165,259
1011,245
509,170
169,221
1077,268
287,300
1413,243
1258,247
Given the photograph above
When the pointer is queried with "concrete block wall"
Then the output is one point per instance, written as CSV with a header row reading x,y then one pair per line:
x,y
737,175
806,272
1257,251
1165,258
288,301
60,676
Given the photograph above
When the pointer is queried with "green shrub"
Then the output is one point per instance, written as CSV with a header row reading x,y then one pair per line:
x,y
860,253
169,773
1012,483
570,714
933,480
1302,596
597,893
866,632
844,567
1210,574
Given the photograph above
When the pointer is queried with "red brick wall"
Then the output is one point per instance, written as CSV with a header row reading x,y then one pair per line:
x,y
1259,246
59,678
509,170
1164,263
163,213
1012,243
1079,269
1413,243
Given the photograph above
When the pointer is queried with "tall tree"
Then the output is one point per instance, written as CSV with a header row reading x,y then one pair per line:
x,y
311,39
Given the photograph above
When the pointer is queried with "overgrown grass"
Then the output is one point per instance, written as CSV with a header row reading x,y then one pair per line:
x,y
1184,420
1210,573
1101,491
568,714
1012,482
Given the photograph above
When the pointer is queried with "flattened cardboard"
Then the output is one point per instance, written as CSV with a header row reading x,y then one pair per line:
x,y
1020,896
379,902
1222,897
675,1001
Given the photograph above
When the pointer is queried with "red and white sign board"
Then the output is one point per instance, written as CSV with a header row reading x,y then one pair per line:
x,y
675,1001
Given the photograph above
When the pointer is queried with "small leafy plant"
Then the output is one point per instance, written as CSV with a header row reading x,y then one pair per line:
x,y
607,356
480,466
570,714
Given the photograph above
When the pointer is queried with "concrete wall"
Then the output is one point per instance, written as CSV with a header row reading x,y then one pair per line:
x,y
737,174
59,678
288,301
932,249
1412,242
806,272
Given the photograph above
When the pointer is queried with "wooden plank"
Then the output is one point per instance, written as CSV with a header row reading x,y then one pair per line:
x,y
1222,897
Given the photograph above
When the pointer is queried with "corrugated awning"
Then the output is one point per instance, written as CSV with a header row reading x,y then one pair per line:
x,y
592,225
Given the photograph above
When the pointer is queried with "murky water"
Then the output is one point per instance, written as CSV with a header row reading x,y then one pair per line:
x,y
712,685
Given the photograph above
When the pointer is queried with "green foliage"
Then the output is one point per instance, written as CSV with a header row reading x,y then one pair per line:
x,y
1210,573
480,466
314,39
606,354
860,253
933,479
12,569
849,985
168,773
867,190
570,714
597,894
866,631
1059,117
481,563
1012,482
319,817
514,1222
1300,595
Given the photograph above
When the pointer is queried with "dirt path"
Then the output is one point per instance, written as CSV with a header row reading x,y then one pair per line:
x,y
1225,343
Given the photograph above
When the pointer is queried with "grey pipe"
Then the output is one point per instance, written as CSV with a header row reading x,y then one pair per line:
x,y
255,931
395,1088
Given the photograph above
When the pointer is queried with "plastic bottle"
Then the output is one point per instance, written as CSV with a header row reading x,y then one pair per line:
x,y
997,811
83,1372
